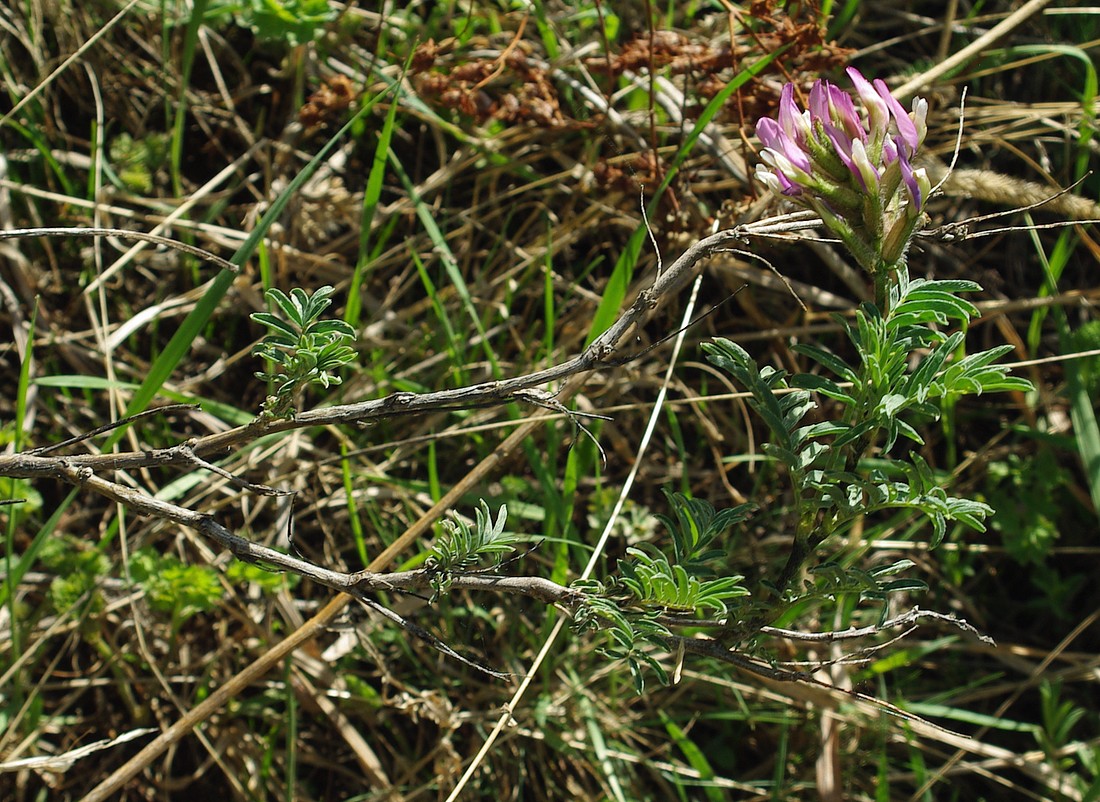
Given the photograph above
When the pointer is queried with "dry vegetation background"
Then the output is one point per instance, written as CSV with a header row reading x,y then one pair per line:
x,y
521,143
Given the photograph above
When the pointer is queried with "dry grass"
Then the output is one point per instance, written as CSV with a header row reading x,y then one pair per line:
x,y
533,179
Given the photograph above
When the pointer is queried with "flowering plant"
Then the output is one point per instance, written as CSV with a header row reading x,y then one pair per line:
x,y
855,170
847,460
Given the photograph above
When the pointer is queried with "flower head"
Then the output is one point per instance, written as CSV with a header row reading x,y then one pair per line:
x,y
855,169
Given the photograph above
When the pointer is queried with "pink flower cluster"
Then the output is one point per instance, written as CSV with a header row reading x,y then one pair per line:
x,y
855,170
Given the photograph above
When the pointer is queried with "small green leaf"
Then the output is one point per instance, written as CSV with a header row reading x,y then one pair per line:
x,y
820,384
828,360
282,300
333,328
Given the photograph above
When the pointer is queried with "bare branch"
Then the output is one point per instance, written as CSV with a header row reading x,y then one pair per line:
x,y
599,354
125,234
80,438
905,619
764,670
360,584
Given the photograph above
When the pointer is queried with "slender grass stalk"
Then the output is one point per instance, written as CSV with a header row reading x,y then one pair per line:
x,y
608,765
446,257
779,772
353,508
696,757
1082,410
179,112
371,195
290,779
12,572
455,344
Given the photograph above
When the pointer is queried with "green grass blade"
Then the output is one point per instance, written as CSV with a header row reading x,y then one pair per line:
x,y
24,380
13,574
40,144
16,572
695,756
353,507
371,195
190,43
713,107
1086,430
454,342
291,736
450,264
599,745
1085,132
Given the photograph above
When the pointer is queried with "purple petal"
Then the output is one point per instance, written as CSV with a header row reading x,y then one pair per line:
x,y
775,138
791,120
910,180
798,157
878,113
768,132
789,188
831,104
889,152
924,184
904,125
845,114
819,101
779,162
834,105
842,144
